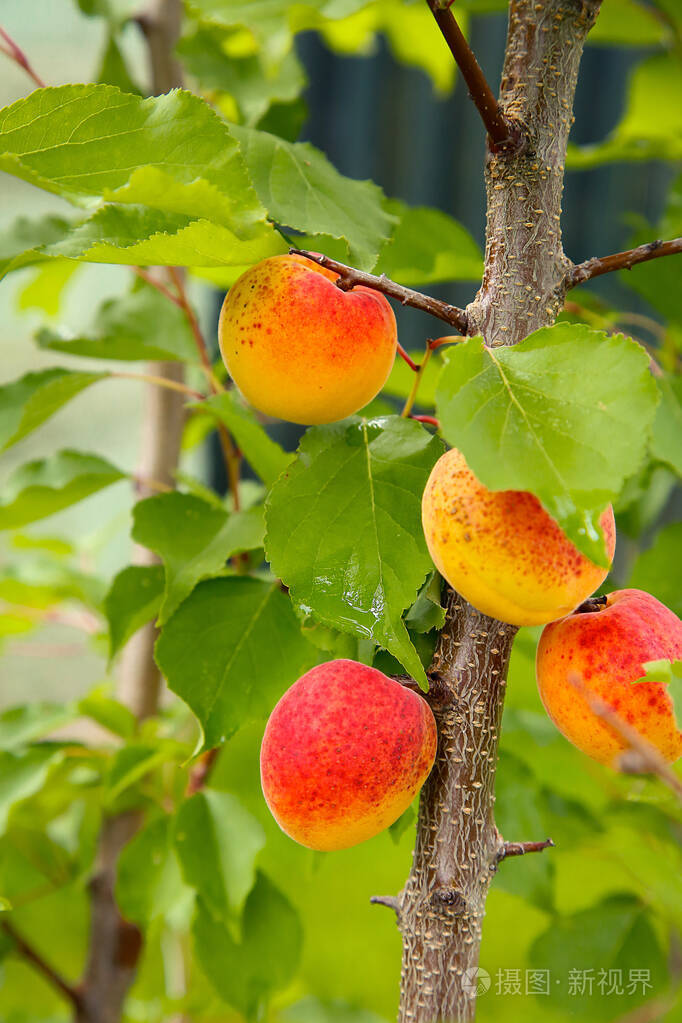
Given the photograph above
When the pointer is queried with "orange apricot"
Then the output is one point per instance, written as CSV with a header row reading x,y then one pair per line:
x,y
502,551
299,348
345,751
597,654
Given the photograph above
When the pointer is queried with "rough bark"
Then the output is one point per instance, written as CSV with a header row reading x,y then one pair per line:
x,y
458,847
441,907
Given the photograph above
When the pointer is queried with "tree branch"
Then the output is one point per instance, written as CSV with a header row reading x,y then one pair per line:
x,y
16,54
503,133
349,277
386,900
599,265
521,848
27,952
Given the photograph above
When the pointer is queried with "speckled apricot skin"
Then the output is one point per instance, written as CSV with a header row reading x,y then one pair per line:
x,y
502,551
602,653
298,348
344,753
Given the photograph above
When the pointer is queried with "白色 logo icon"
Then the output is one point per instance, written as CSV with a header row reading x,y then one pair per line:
x,y
475,981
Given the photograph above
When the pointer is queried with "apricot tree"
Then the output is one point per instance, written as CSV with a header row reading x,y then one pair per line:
x,y
141,876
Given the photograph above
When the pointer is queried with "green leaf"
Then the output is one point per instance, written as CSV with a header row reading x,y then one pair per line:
x,y
41,488
262,453
564,414
126,147
217,842
270,21
149,882
627,23
301,190
652,570
99,706
132,763
314,1010
667,428
651,128
263,961
134,599
193,539
344,527
46,287
138,235
141,325
170,157
27,402
22,725
428,246
404,823
616,934
427,613
23,774
230,651
113,69
252,84
21,240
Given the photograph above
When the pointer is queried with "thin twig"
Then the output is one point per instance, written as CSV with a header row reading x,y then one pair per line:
x,y
349,277
199,338
437,342
521,848
16,54
599,265
386,900
502,132
640,757
157,285
51,975
170,385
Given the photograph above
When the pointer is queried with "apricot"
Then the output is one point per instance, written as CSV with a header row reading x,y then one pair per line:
x,y
600,651
299,348
344,753
502,551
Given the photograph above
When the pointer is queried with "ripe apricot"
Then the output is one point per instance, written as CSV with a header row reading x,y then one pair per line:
x,y
299,348
502,551
600,652
344,753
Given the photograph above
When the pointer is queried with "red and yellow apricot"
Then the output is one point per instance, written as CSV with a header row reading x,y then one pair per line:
x,y
594,657
345,751
299,348
502,551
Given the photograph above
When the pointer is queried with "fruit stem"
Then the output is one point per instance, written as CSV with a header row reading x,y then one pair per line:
x,y
591,604
407,408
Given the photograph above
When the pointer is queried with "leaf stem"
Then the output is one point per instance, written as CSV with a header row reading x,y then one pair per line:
x,y
16,54
407,408
170,385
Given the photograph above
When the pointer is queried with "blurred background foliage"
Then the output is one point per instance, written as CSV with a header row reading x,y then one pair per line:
x,y
373,86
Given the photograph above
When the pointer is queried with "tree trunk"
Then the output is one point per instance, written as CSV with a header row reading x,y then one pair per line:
x,y
458,847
